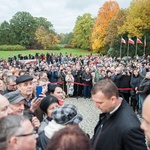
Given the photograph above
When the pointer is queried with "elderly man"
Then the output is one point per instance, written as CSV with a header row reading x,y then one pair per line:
x,y
17,133
25,86
118,127
4,107
10,84
31,103
16,102
146,118
17,105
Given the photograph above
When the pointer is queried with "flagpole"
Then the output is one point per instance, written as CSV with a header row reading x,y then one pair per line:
x,y
136,48
128,49
120,46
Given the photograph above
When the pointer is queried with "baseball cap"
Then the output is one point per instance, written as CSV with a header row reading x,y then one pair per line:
x,y
14,97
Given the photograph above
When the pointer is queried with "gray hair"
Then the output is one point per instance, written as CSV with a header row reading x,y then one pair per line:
x,y
11,78
6,73
10,126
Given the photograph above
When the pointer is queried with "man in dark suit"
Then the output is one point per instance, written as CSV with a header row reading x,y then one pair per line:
x,y
118,127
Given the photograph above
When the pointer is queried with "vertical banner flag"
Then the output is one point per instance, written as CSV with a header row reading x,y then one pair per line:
x,y
138,41
130,41
123,41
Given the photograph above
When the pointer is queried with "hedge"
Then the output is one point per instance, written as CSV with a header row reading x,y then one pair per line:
x,y
11,48
53,47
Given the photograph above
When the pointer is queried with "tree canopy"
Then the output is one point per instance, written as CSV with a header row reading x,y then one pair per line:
x,y
106,13
82,31
23,28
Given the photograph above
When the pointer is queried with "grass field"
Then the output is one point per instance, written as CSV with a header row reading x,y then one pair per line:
x,y
5,54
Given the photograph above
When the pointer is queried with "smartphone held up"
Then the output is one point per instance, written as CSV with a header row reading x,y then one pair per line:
x,y
38,91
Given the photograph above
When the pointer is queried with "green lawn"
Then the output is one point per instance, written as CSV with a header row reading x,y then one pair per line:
x,y
5,54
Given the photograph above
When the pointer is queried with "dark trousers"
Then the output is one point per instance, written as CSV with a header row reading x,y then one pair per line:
x,y
87,91
126,96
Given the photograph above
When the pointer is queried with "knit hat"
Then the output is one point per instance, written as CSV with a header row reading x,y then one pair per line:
x,y
47,101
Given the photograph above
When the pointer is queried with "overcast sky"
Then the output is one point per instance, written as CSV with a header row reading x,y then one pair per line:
x,y
61,13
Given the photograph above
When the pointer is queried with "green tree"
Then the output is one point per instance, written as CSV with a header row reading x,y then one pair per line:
x,y
82,31
6,35
41,21
65,38
68,38
23,27
61,38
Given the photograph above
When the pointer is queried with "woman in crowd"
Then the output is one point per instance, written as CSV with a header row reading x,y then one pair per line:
x,y
48,104
56,91
62,116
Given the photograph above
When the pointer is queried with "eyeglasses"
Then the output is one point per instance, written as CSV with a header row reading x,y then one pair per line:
x,y
22,135
13,85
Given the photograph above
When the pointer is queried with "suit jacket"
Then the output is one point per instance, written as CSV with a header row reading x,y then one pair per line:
x,y
120,131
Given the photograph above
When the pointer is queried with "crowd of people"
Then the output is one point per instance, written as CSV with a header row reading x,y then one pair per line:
x,y
117,86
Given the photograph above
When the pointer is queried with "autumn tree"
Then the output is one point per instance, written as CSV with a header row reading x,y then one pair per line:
x,y
113,27
108,11
138,19
137,23
45,37
113,36
82,31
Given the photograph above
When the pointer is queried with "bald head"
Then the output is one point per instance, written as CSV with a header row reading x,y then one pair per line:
x,y
146,118
4,107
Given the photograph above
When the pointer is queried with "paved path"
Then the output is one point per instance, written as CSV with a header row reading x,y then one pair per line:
x,y
90,114
88,111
